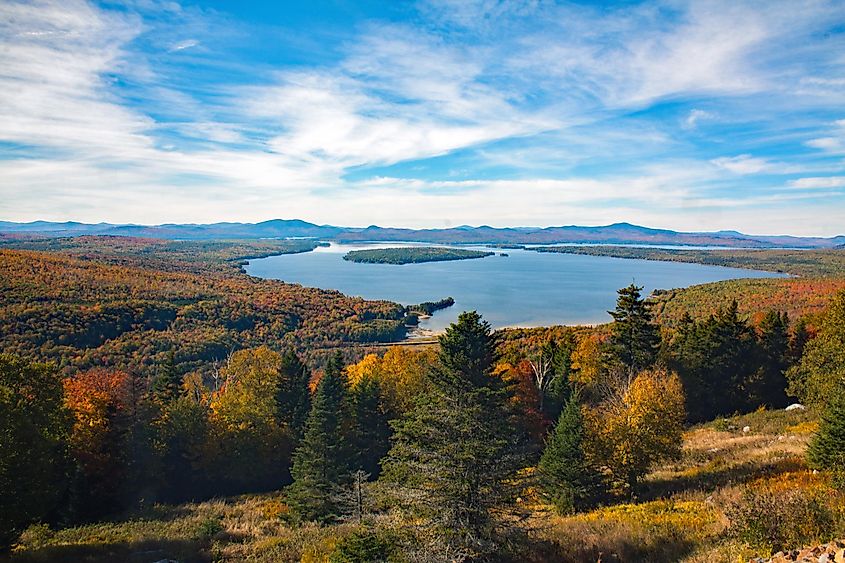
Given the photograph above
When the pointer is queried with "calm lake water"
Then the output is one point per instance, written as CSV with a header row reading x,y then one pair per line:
x,y
522,289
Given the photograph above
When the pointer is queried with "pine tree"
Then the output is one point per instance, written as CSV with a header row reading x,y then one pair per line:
x,y
634,338
768,385
167,385
565,477
827,449
372,430
456,452
322,464
293,398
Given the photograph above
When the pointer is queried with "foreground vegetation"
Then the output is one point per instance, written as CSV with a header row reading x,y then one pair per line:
x,y
413,255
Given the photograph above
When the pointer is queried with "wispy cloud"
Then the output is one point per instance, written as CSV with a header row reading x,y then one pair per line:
x,y
823,182
184,44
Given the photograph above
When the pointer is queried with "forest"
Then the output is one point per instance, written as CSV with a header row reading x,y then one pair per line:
x,y
127,303
412,255
157,403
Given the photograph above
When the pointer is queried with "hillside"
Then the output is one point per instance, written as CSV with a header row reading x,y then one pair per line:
x,y
126,302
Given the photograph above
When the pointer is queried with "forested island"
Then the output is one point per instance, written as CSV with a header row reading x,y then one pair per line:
x,y
413,255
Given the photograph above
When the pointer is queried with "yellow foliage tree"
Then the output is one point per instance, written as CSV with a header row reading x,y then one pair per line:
x,y
587,359
401,373
639,424
248,396
248,448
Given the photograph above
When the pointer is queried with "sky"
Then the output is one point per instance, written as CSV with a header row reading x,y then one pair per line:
x,y
688,115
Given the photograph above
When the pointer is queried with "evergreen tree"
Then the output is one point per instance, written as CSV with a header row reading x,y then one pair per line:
x,y
565,477
456,452
716,359
768,385
634,339
34,427
322,464
827,449
167,385
822,367
800,336
372,430
293,397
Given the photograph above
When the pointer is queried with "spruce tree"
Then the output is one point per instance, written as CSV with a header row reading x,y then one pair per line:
x,y
768,385
293,397
322,464
827,448
634,338
167,385
456,452
372,430
565,477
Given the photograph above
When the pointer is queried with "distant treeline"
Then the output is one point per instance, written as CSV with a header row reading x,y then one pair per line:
x,y
412,255
796,262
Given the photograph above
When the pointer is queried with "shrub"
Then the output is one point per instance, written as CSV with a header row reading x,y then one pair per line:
x,y
209,528
772,519
363,546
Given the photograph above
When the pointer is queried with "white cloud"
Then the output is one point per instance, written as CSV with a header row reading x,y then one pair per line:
x,y
185,44
819,182
744,164
695,116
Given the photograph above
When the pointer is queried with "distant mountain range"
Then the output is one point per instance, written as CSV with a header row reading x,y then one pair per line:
x,y
618,233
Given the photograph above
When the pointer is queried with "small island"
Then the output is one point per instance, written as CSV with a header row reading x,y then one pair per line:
x,y
413,255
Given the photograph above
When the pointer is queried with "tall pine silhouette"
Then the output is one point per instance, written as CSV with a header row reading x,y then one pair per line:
x,y
372,430
634,338
322,464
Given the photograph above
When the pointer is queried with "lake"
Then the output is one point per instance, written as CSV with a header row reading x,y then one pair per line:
x,y
523,289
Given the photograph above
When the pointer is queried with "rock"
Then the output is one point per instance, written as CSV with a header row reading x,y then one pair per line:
x,y
840,556
824,558
746,429
795,407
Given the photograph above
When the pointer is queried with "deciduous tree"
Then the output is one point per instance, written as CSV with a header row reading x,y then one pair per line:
x,y
640,424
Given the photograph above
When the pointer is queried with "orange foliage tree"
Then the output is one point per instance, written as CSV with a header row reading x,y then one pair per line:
x,y
103,406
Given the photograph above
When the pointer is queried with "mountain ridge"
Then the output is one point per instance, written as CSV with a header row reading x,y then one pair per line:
x,y
616,233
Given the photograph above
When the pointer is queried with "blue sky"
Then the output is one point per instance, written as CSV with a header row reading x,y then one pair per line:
x,y
686,115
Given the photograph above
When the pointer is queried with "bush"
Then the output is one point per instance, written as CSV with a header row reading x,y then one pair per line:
x,y
363,546
772,519
209,528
